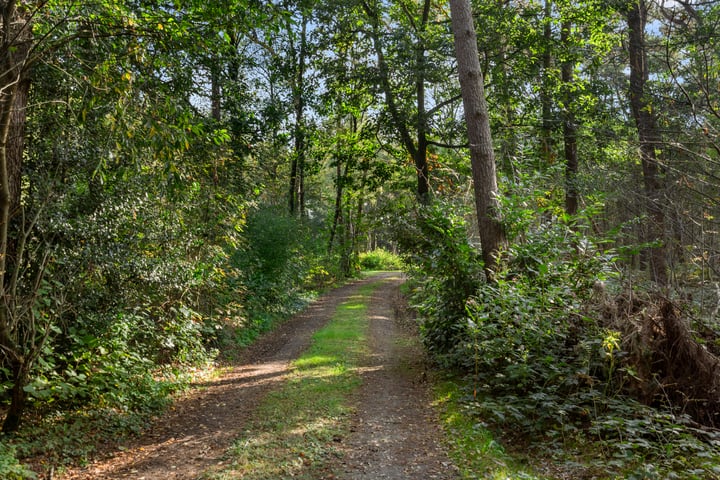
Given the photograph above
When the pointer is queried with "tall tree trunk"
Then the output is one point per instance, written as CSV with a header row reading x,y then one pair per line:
x,y
508,141
339,184
420,157
418,151
546,142
297,168
649,136
482,155
16,140
15,38
292,193
215,93
216,113
569,130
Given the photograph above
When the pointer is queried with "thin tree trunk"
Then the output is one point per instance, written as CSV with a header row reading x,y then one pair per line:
x,y
569,132
492,235
359,215
297,168
418,151
546,145
509,141
339,183
649,136
215,94
420,157
16,141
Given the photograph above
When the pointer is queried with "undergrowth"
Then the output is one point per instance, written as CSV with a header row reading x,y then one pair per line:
x,y
54,440
544,369
380,259
473,447
127,346
10,467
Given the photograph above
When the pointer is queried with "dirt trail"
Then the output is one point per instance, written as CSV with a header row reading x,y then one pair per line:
x,y
395,433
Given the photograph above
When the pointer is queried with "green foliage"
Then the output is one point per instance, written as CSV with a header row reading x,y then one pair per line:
x,y
540,363
161,249
446,269
10,467
115,370
280,257
545,367
380,259
473,447
124,181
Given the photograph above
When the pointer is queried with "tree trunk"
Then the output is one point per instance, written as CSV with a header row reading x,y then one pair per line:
x,y
649,136
16,141
420,157
546,142
569,132
18,399
297,168
16,38
339,183
509,140
418,151
215,94
482,155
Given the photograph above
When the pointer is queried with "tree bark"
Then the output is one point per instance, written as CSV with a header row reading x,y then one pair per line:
x,y
569,131
649,136
297,168
340,177
546,141
420,158
418,151
215,94
15,38
482,156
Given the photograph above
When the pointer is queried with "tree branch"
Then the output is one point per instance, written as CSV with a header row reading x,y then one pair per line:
x,y
442,104
448,145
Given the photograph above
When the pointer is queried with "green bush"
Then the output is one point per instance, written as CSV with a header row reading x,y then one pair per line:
x,y
380,259
446,270
281,257
541,364
10,467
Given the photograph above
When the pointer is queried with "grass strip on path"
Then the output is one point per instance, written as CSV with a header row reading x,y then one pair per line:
x,y
295,428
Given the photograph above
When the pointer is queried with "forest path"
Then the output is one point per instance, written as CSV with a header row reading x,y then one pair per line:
x,y
395,433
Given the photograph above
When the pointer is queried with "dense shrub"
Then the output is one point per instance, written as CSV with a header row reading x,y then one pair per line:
x,y
380,259
280,259
10,468
541,360
445,269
